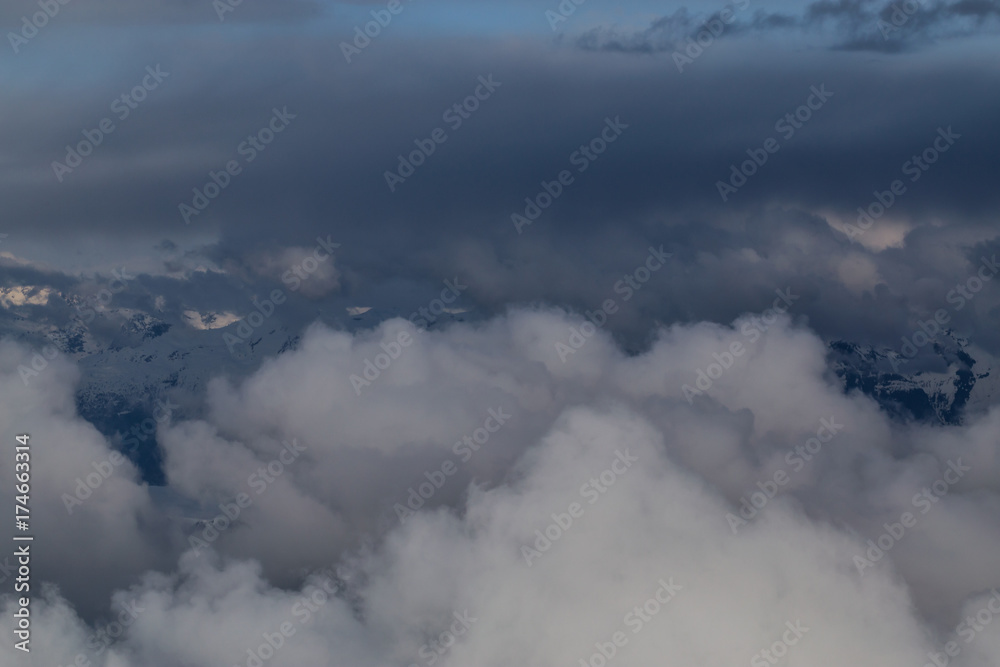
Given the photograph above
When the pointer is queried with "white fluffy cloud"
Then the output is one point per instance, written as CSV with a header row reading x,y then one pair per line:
x,y
627,481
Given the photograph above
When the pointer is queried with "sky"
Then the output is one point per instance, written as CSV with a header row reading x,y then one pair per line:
x,y
510,251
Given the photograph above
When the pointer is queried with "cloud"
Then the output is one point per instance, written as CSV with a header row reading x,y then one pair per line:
x,y
289,264
629,484
612,454
70,459
402,245
850,25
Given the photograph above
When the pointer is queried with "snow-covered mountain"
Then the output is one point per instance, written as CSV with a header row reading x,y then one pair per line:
x,y
954,381
130,359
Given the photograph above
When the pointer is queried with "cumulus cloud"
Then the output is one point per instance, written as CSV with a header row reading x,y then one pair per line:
x,y
603,481
81,488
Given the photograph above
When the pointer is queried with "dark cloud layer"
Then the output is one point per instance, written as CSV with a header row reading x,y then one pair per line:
x,y
657,184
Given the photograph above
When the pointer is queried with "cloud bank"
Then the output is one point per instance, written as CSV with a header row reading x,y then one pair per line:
x,y
566,510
